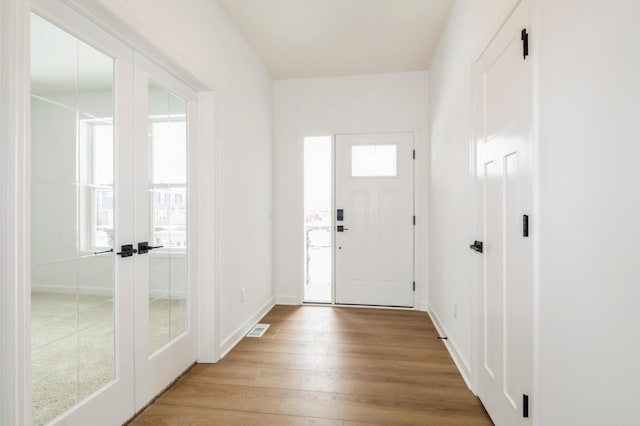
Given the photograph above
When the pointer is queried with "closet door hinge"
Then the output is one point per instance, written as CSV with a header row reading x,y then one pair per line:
x,y
524,36
525,406
414,154
414,286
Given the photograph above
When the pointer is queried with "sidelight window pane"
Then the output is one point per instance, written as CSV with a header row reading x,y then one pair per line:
x,y
317,219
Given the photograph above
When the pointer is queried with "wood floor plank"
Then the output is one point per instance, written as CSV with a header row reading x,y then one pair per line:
x,y
282,360
327,366
160,414
409,388
232,397
266,345
380,410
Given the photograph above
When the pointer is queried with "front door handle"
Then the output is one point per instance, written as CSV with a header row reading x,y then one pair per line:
x,y
341,228
476,246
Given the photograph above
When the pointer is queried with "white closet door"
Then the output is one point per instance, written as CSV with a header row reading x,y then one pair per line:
x,y
504,203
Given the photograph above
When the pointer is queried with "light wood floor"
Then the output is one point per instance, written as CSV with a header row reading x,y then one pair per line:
x,y
326,366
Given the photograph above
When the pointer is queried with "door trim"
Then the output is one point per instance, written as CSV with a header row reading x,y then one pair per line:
x,y
421,236
420,209
15,388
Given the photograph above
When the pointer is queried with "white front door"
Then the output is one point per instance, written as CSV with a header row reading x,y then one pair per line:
x,y
504,111
374,219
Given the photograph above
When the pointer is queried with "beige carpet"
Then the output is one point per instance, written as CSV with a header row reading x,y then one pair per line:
x,y
72,341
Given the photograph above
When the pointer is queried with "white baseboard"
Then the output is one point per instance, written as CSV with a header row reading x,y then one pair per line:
x,y
424,306
461,362
231,341
96,291
88,291
287,300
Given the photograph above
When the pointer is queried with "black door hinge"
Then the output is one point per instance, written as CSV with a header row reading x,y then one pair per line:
x,y
476,246
525,225
524,36
414,154
414,220
525,406
414,286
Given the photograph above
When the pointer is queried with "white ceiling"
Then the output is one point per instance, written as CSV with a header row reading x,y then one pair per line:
x,y
322,38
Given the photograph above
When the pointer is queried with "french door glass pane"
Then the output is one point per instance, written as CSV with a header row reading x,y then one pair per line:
x,y
72,286
168,200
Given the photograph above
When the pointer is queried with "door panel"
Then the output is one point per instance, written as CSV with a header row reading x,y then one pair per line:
x,y
374,187
82,360
165,320
504,195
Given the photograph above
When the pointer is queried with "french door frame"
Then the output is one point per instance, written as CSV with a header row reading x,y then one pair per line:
x,y
15,306
15,357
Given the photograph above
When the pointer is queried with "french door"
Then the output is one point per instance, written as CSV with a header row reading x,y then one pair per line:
x,y
166,341
113,318
374,219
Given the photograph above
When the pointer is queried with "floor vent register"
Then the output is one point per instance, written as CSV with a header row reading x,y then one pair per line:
x,y
258,330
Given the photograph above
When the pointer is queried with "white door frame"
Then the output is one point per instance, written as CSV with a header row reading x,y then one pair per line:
x,y
15,356
15,359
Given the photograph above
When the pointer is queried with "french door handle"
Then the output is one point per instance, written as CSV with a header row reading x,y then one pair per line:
x,y
127,250
144,247
476,246
103,251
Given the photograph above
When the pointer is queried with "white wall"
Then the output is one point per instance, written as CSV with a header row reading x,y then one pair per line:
x,y
199,36
468,30
587,154
326,106
589,151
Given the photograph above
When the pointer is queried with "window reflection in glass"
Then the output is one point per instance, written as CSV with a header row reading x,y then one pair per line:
x,y
168,272
72,289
